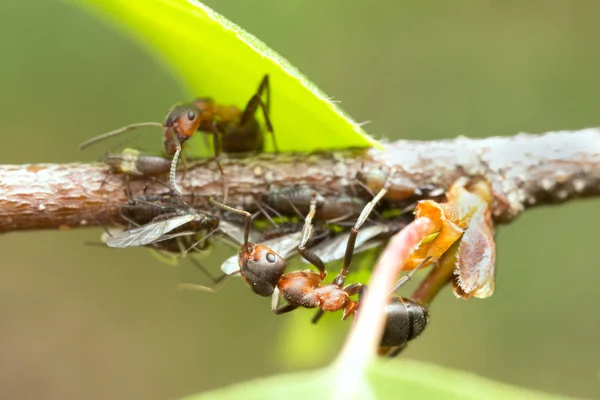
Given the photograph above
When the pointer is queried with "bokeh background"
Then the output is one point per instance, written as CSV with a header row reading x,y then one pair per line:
x,y
82,321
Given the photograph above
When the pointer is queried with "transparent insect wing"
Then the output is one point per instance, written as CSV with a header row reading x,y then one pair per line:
x,y
285,245
230,265
236,232
148,233
335,248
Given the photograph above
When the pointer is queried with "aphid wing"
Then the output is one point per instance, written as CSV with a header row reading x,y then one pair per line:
x,y
230,265
235,232
173,236
285,245
147,234
335,248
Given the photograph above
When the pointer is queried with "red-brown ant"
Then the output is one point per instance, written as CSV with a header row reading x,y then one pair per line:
x,y
262,269
233,130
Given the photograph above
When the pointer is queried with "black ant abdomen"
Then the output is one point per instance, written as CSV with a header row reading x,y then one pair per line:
x,y
406,320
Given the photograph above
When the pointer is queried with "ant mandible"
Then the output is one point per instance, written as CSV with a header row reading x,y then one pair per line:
x,y
233,130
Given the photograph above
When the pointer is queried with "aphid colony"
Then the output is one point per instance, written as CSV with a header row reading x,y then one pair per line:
x,y
335,225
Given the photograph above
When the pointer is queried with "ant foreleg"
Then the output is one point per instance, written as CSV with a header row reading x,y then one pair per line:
x,y
341,278
218,283
306,231
217,152
396,350
246,214
275,304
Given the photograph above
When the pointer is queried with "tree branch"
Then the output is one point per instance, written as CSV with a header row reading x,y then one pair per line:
x,y
524,171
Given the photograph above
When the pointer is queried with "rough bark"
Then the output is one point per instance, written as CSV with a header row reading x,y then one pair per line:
x,y
525,170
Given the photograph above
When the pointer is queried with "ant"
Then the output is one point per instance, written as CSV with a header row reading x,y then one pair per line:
x,y
233,130
262,269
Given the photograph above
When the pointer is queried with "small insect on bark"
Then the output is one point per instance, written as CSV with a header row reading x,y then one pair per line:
x,y
156,222
133,162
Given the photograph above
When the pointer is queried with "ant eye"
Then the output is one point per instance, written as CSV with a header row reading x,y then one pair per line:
x,y
270,257
191,115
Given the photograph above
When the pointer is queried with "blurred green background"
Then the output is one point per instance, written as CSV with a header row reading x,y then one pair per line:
x,y
82,321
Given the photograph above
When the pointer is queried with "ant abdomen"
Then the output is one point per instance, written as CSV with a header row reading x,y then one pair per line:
x,y
406,319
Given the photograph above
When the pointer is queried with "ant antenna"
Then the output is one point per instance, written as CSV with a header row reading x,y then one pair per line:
x,y
116,132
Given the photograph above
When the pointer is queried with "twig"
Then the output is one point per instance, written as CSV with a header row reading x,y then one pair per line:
x,y
524,170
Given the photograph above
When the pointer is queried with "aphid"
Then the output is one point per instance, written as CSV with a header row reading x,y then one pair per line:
x,y
163,227
329,206
135,163
233,130
400,188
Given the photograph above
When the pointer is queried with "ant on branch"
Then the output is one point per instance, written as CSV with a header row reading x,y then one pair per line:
x,y
233,130
262,270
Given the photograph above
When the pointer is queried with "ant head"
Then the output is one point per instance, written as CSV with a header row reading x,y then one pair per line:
x,y
261,268
182,122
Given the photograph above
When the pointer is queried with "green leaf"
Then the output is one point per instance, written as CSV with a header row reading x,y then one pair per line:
x,y
402,380
213,57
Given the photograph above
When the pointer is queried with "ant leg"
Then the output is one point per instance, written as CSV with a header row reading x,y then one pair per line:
x,y
317,316
265,213
246,214
254,103
185,165
396,350
341,278
205,271
291,203
306,231
108,174
216,146
351,289
218,284
199,241
351,306
282,309
407,278
217,151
